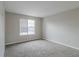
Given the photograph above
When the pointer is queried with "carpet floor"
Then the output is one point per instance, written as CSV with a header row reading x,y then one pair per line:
x,y
40,48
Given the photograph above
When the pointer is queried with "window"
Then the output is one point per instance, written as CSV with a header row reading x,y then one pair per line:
x,y
27,27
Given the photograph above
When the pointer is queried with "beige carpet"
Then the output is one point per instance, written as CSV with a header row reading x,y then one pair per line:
x,y
40,48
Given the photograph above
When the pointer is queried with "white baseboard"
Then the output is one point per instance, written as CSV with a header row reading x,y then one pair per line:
x,y
13,43
19,42
64,44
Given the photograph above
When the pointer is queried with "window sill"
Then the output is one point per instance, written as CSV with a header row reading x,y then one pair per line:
x,y
23,34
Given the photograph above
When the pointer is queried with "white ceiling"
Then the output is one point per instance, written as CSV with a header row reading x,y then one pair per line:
x,y
39,9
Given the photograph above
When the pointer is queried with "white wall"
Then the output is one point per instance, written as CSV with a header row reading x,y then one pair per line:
x,y
13,28
2,31
63,28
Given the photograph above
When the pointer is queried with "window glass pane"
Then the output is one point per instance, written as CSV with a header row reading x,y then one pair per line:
x,y
27,27
23,27
31,27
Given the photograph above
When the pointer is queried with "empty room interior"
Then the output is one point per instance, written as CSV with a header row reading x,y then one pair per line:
x,y
39,28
